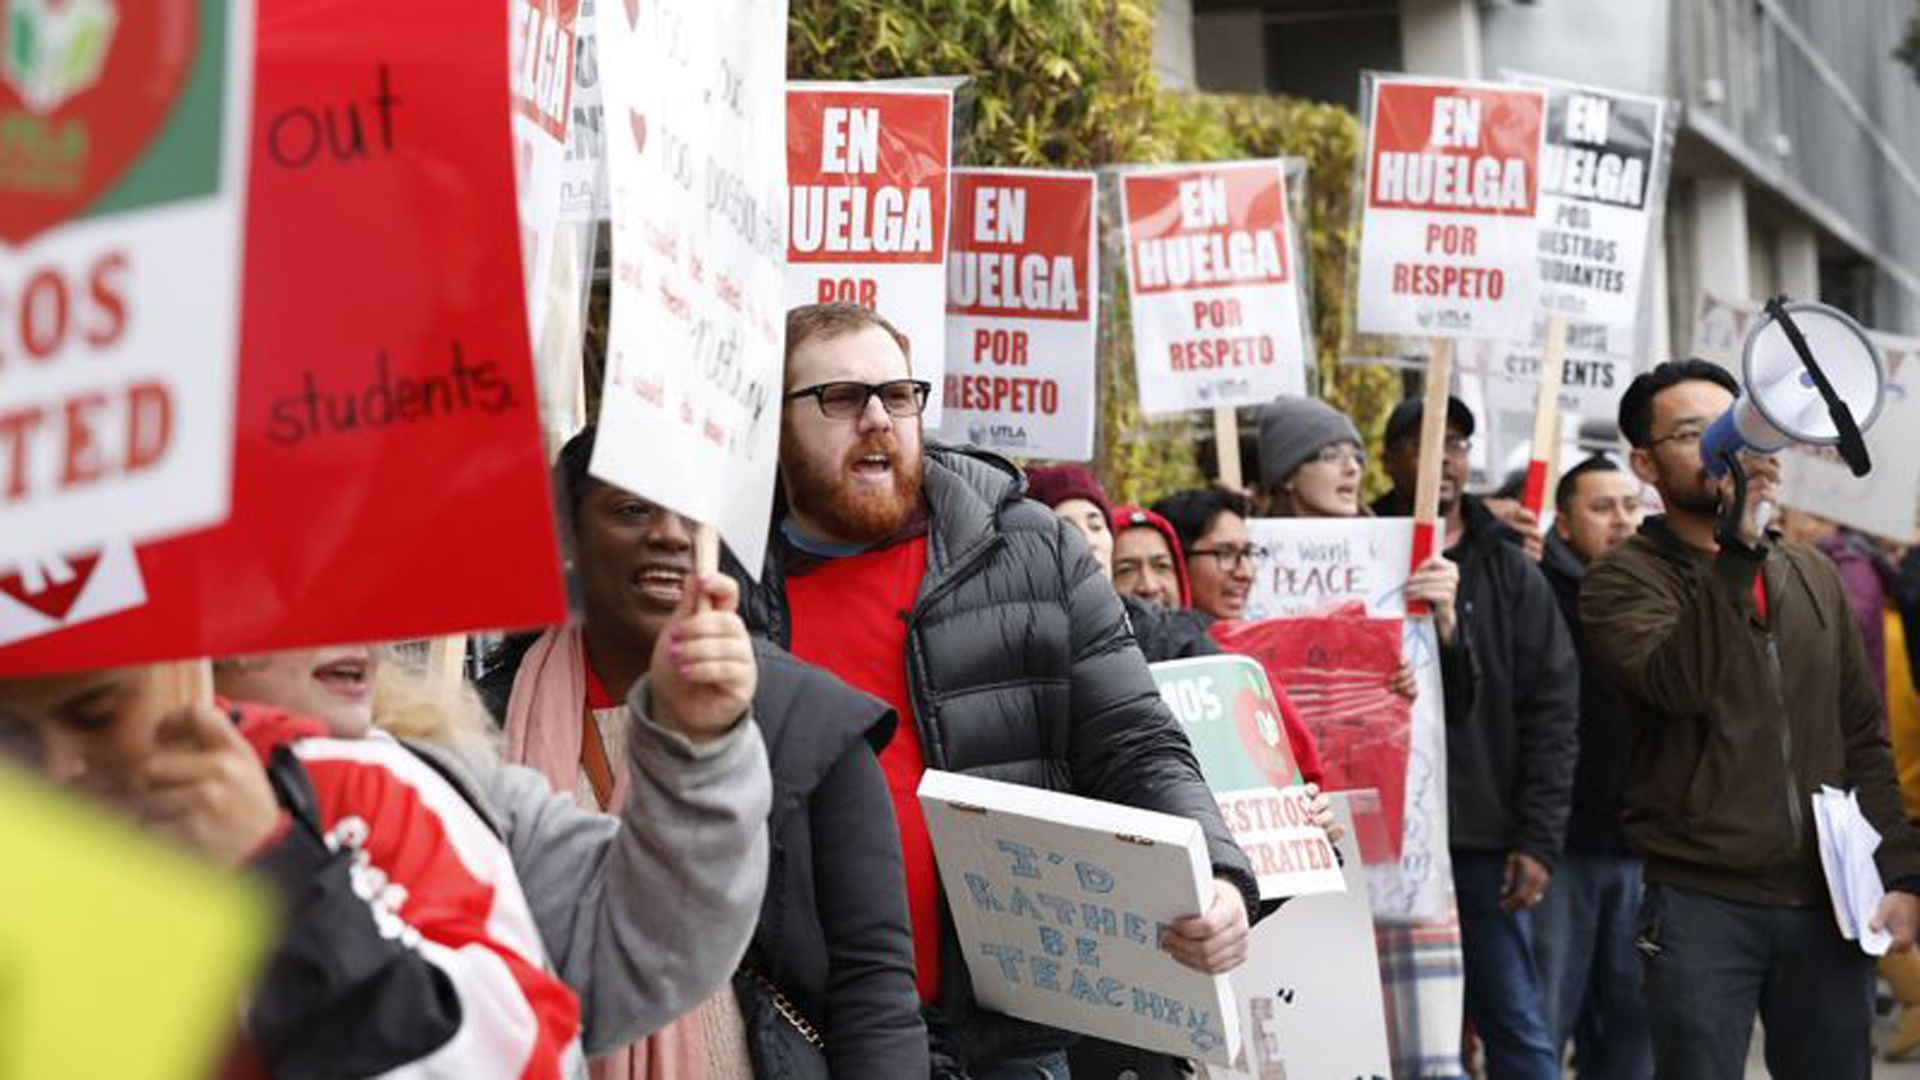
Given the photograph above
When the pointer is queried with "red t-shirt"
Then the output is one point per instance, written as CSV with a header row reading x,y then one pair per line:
x,y
850,617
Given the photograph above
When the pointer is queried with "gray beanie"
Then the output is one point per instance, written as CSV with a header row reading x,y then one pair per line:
x,y
1294,429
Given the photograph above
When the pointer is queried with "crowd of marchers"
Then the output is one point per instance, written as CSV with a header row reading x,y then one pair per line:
x,y
679,838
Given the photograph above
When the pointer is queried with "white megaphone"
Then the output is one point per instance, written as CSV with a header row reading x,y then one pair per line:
x,y
1810,374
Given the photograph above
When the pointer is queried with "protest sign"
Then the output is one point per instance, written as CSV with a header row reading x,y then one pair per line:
x,y
1338,668
1448,234
1211,284
1313,567
583,175
1230,715
867,179
122,189
387,453
1886,501
1304,566
1022,313
1060,903
1603,180
44,595
1310,1002
120,955
541,58
690,413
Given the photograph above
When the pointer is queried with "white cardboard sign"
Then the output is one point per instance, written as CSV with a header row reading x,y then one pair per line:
x,y
1022,313
122,213
1603,179
1214,295
1309,992
690,412
1449,233
1060,903
867,174
1303,566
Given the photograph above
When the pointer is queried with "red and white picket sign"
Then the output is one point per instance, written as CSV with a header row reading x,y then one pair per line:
x,y
388,475
1215,304
867,176
1022,305
1448,235
122,206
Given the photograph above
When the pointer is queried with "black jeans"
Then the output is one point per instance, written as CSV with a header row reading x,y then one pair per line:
x,y
1712,963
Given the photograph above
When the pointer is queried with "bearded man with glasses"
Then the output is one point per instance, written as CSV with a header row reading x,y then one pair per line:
x,y
922,575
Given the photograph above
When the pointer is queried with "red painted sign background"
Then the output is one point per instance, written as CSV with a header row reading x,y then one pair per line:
x,y
1510,129
388,476
914,150
1337,668
1058,220
1256,202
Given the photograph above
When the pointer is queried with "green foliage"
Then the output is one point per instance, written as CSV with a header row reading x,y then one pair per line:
x,y
1070,84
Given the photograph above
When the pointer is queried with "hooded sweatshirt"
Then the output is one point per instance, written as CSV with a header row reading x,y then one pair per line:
x,y
1134,517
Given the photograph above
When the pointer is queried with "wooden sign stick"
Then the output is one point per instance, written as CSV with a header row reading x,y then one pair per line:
x,y
1546,416
1226,445
1433,450
446,663
184,682
706,559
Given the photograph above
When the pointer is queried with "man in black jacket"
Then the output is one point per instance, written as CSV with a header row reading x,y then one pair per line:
x,y
1510,752
925,578
1584,930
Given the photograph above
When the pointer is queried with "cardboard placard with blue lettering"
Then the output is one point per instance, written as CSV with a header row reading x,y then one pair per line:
x,y
1060,903
1448,231
1228,710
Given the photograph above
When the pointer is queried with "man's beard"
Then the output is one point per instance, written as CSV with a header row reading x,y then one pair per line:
x,y
1700,498
826,496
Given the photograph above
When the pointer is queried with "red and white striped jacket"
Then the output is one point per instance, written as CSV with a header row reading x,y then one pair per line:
x,y
409,949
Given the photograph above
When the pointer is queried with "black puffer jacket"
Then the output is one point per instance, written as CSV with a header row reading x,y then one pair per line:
x,y
1166,634
1023,669
1511,748
1600,776
833,932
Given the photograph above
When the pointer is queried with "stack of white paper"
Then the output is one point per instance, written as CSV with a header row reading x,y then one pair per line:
x,y
1847,844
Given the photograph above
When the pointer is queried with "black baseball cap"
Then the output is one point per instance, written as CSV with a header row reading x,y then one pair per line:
x,y
1405,418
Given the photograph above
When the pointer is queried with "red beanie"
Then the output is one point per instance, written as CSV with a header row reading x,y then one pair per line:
x,y
1139,517
1055,484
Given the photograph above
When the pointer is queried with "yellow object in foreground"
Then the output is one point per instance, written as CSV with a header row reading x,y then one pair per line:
x,y
119,956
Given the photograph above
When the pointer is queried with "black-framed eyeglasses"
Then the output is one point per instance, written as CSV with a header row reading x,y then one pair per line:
x,y
1684,435
846,400
1231,556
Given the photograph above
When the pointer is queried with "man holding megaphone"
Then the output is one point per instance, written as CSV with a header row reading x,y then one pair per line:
x,y
1744,688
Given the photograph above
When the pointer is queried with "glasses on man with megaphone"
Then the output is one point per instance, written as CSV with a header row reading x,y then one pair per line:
x,y
1809,374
